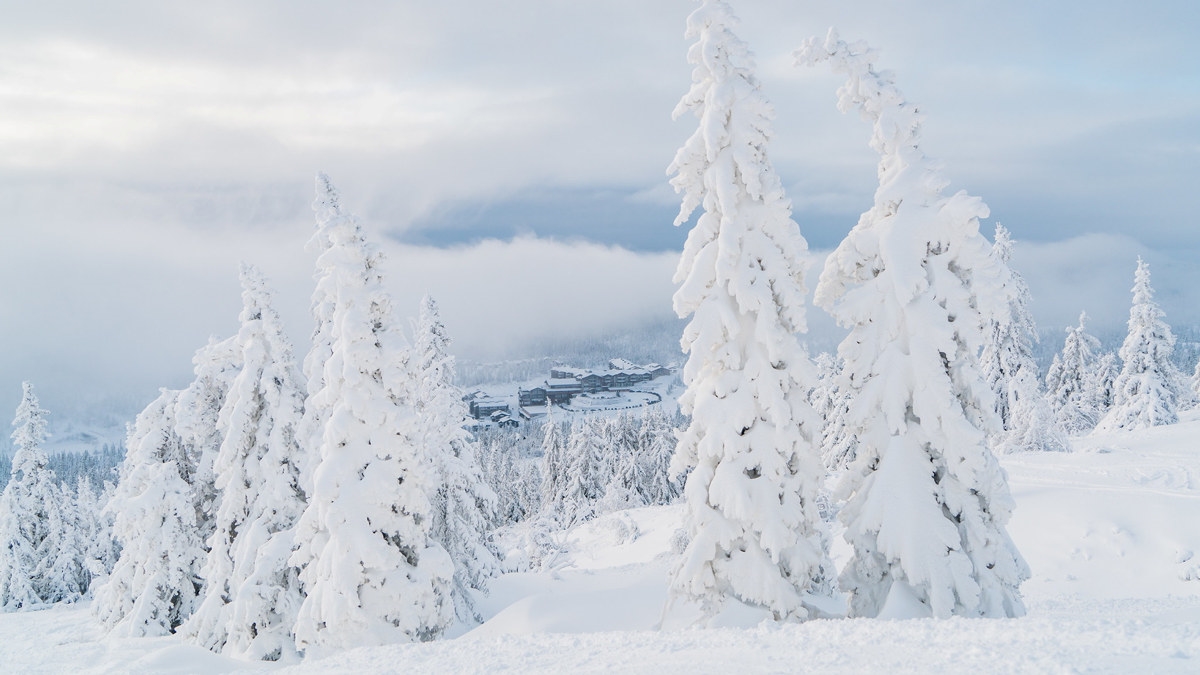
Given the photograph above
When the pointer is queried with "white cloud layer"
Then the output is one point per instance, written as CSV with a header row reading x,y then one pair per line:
x,y
146,148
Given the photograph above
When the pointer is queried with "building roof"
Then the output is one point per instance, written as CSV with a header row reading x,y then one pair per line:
x,y
562,383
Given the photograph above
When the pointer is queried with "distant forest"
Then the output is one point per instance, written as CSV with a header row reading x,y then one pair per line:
x,y
99,465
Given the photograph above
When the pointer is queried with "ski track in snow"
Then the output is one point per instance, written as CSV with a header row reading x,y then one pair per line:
x,y
1111,531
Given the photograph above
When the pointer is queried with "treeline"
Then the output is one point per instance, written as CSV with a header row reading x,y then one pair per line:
x,y
99,466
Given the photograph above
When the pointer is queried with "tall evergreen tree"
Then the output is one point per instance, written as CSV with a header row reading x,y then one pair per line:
x,y
371,572
154,585
252,593
1146,392
1071,385
751,511
463,506
26,509
916,285
1011,335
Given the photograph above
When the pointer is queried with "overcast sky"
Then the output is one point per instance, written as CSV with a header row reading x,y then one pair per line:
x,y
510,158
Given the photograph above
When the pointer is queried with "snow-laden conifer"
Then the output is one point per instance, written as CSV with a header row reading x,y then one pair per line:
x,y
61,570
1071,384
1195,382
1033,425
1146,392
831,398
463,506
252,593
1103,382
197,424
100,551
26,509
153,586
554,461
751,514
623,489
916,285
1011,335
329,218
583,481
371,572
1011,371
656,444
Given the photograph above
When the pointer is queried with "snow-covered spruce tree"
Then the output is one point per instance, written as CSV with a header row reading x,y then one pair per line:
x,y
371,572
197,424
916,285
252,593
514,479
623,488
1195,382
751,515
554,462
463,506
656,444
1011,335
25,512
1146,392
154,584
583,483
1103,381
61,569
100,550
1070,384
1011,371
1034,427
831,398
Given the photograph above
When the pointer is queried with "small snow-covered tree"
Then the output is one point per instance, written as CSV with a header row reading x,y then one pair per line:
x,y
1071,387
1103,381
100,550
463,506
1195,382
154,585
252,593
751,514
1011,371
61,570
29,502
916,285
554,461
1033,426
656,444
623,488
1146,392
371,572
583,481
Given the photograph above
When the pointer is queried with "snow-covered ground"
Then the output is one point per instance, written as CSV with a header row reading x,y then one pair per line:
x,y
1111,531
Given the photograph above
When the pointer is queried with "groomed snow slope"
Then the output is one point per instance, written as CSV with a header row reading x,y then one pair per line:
x,y
1112,532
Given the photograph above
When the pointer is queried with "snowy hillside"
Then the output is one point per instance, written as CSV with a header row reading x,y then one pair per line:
x,y
1109,530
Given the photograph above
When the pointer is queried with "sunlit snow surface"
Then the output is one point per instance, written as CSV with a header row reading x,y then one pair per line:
x,y
1112,532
